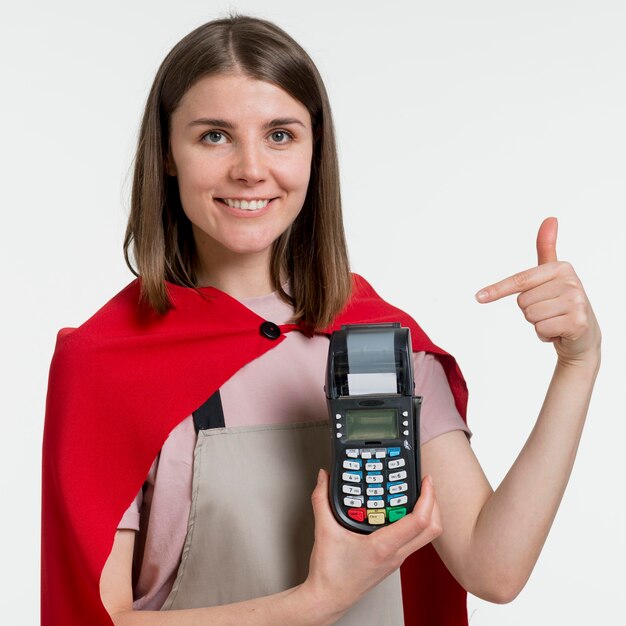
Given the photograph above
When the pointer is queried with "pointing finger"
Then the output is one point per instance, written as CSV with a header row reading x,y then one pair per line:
x,y
546,240
522,281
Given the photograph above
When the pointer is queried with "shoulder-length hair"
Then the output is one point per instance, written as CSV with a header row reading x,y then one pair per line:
x,y
312,252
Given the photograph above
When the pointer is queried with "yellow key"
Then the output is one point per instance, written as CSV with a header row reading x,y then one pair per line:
x,y
376,516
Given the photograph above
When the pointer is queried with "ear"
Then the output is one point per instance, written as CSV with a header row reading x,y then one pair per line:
x,y
170,167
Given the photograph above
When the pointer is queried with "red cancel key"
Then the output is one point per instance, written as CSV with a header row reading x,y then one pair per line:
x,y
357,515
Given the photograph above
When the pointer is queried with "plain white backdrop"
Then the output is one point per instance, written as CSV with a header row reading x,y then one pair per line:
x,y
460,127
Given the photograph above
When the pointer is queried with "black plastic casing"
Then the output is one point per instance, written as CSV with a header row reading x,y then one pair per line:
x,y
339,402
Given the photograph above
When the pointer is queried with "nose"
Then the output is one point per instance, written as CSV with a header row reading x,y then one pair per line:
x,y
248,163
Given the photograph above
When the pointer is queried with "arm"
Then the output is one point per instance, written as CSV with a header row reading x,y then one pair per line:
x,y
344,566
292,606
491,541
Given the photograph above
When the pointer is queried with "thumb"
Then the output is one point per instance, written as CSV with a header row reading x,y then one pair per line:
x,y
546,240
319,497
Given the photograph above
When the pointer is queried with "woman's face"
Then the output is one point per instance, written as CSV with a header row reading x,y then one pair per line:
x,y
235,144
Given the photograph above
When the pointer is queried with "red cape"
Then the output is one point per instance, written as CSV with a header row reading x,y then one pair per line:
x,y
120,382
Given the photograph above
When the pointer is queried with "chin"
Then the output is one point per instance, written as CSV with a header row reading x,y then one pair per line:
x,y
251,244
253,248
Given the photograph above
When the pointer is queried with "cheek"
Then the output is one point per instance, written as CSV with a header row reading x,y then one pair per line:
x,y
297,176
192,173
194,183
192,166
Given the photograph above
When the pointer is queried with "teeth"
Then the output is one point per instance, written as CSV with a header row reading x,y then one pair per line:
x,y
253,205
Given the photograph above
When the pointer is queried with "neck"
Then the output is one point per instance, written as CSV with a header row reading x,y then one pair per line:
x,y
239,275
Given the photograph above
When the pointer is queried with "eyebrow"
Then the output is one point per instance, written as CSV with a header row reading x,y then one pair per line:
x,y
279,121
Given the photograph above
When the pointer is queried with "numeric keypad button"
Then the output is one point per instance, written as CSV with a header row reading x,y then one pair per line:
x,y
397,501
352,477
353,502
397,487
351,489
395,463
397,475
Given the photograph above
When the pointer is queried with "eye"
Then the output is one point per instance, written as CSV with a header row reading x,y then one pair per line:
x,y
211,135
282,133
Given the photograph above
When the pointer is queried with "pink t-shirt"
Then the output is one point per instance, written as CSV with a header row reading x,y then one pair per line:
x,y
285,385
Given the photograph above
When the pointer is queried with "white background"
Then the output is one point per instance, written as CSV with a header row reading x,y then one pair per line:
x,y
460,125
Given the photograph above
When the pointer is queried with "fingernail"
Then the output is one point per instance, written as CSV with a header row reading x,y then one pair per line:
x,y
481,296
432,482
319,476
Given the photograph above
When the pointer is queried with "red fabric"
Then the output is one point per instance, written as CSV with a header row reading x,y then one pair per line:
x,y
119,383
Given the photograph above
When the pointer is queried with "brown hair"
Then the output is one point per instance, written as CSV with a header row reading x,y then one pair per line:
x,y
312,251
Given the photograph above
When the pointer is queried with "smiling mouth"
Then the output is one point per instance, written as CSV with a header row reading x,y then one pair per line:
x,y
244,205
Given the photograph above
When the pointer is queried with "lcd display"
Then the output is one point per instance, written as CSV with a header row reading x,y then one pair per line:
x,y
371,424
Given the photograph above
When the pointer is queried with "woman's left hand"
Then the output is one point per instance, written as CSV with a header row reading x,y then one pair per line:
x,y
552,298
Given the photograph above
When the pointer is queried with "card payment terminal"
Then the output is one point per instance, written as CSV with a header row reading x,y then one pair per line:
x,y
374,425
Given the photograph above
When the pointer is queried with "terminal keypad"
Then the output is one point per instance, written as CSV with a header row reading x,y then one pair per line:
x,y
374,485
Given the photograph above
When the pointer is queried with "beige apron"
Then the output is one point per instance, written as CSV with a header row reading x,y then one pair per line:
x,y
250,530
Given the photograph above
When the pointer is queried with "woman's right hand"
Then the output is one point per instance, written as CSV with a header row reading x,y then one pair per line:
x,y
345,565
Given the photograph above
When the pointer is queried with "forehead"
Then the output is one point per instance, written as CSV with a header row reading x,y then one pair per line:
x,y
238,97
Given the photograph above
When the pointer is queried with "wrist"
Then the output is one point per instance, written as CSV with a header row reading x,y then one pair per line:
x,y
318,603
588,362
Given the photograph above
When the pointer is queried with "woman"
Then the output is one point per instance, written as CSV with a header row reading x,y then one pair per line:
x,y
236,199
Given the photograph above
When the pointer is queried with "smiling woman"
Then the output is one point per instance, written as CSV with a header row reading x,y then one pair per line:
x,y
242,109
242,177
186,420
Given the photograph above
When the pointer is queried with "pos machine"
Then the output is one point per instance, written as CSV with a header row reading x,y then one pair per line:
x,y
374,425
